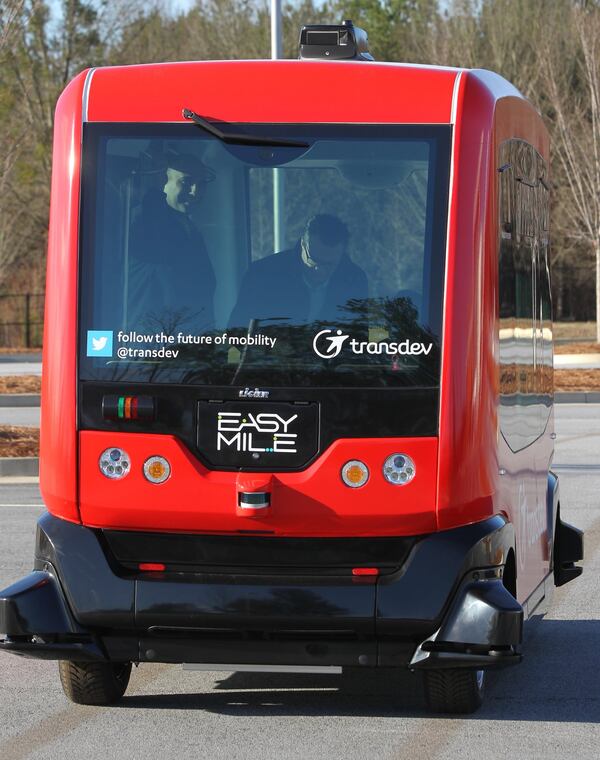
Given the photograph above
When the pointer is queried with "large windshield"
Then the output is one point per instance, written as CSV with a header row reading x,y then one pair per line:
x,y
218,264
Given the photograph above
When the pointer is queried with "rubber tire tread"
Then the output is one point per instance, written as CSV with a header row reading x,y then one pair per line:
x,y
94,683
453,691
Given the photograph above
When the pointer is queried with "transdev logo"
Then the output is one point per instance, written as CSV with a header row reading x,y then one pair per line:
x,y
99,343
329,346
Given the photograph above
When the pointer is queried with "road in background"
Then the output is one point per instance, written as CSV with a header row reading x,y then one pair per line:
x,y
31,364
23,416
21,364
547,707
20,368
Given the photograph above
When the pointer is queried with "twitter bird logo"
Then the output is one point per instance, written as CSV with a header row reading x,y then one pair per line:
x,y
99,343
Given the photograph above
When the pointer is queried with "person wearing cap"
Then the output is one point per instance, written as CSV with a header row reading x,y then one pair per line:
x,y
315,281
171,278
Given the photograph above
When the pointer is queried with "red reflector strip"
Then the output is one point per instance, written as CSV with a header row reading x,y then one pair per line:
x,y
365,571
152,566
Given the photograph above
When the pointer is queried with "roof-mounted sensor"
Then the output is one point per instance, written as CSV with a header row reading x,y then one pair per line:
x,y
334,42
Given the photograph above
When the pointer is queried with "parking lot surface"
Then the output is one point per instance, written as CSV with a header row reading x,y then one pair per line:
x,y
547,707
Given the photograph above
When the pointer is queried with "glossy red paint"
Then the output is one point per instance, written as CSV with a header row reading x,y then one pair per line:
x,y
459,487
468,394
289,91
489,111
58,430
312,502
268,91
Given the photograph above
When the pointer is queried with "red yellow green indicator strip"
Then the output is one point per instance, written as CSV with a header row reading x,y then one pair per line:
x,y
127,408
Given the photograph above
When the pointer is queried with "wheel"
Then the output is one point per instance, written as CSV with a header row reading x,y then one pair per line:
x,y
94,683
454,691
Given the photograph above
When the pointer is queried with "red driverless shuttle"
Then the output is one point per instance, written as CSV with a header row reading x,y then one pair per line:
x,y
297,403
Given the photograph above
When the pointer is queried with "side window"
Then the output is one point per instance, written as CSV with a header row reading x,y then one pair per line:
x,y
524,296
507,219
545,297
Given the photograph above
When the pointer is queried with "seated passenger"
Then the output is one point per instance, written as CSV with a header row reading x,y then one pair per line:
x,y
315,281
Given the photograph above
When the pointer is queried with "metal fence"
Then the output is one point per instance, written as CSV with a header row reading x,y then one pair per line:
x,y
21,320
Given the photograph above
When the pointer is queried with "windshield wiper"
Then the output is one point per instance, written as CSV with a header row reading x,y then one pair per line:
x,y
237,138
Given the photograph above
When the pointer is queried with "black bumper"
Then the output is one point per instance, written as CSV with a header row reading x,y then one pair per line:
x,y
442,603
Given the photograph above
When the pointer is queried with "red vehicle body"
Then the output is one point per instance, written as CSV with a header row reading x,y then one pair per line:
x,y
437,575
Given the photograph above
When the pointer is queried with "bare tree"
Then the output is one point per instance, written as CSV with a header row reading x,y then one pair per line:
x,y
37,60
10,12
572,81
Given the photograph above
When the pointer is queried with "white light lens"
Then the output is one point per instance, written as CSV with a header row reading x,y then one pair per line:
x,y
399,469
114,463
355,474
157,469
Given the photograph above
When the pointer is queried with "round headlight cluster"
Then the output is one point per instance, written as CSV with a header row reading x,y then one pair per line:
x,y
399,469
355,473
114,463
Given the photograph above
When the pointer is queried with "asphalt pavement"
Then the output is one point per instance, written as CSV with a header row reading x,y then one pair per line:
x,y
548,707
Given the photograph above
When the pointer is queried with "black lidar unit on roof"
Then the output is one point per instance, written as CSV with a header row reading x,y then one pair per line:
x,y
334,42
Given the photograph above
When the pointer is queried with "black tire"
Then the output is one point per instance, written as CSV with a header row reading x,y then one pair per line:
x,y
454,691
94,683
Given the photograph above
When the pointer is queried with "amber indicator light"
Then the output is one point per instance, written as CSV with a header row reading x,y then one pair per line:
x,y
355,473
157,469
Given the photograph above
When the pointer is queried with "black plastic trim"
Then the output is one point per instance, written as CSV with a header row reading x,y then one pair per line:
x,y
482,629
404,601
343,413
271,618
247,554
36,604
568,549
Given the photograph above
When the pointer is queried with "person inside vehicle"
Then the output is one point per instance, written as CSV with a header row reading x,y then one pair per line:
x,y
314,281
171,278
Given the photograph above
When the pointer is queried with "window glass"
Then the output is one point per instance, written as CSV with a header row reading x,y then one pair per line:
x,y
524,294
210,263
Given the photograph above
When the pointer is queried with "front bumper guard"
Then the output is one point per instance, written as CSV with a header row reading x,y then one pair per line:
x,y
37,622
76,607
483,629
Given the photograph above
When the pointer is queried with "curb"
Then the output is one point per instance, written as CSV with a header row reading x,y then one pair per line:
x,y
577,397
21,466
19,399
27,357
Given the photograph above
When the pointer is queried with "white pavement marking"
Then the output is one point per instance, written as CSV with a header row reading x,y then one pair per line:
x,y
39,504
19,480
